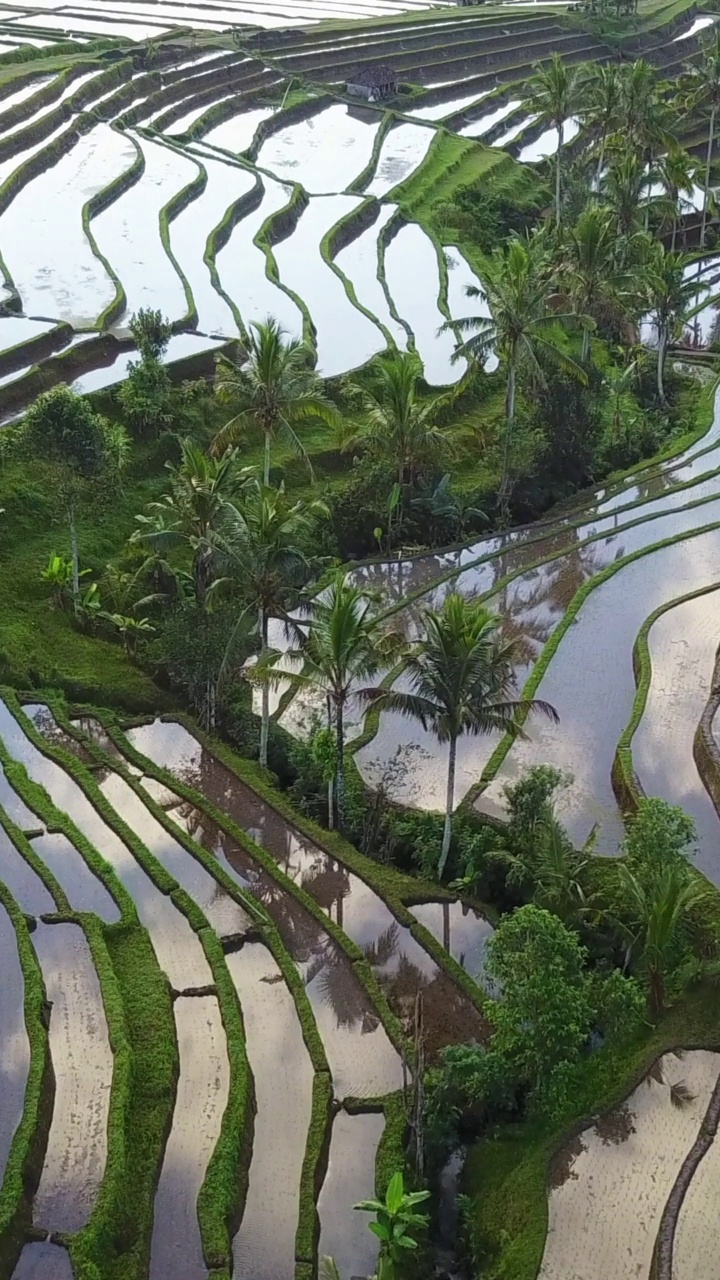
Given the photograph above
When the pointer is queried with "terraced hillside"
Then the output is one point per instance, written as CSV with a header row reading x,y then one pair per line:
x,y
224,177
221,1074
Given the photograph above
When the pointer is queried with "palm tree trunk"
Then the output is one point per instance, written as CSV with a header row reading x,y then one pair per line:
x,y
601,159
504,488
657,991
558,173
265,715
449,805
585,345
706,189
331,781
661,363
340,769
75,560
266,465
673,239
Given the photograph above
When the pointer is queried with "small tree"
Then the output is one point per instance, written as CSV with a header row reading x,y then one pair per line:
x,y
151,331
145,393
396,1224
84,451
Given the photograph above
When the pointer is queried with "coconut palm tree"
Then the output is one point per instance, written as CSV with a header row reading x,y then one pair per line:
x,y
274,389
517,284
656,919
624,189
552,95
461,678
705,94
669,294
678,173
346,644
200,497
593,281
262,543
601,95
397,425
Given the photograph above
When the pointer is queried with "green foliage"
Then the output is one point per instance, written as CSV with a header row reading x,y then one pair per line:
x,y
145,395
396,1224
660,836
61,427
151,332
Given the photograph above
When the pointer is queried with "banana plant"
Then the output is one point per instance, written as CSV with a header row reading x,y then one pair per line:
x,y
396,1223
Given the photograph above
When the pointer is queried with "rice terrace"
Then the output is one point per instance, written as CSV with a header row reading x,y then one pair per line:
x,y
360,640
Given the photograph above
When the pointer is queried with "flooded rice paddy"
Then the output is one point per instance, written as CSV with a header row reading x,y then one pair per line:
x,y
412,272
350,1177
402,966
14,1043
682,645
264,1246
242,267
608,1186
345,337
359,262
323,153
83,1064
202,1094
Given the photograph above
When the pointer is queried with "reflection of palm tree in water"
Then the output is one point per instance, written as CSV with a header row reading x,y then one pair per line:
x,y
328,882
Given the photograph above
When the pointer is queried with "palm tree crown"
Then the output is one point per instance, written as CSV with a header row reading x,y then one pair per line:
x,y
274,389
552,96
461,678
398,426
200,498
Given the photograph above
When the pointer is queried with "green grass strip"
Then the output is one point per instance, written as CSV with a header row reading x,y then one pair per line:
x,y
563,626
276,227
27,1151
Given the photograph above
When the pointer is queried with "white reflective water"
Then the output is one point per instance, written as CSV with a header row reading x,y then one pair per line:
x,y
237,133
359,262
547,144
323,153
241,267
402,151
74,285
189,232
477,128
128,233
345,337
411,271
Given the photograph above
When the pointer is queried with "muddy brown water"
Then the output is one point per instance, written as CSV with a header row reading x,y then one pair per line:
x,y
401,965
14,1043
350,1177
264,1246
83,1066
42,1260
178,949
460,930
202,1094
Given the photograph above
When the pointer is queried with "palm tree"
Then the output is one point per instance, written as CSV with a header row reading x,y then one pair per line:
x,y
200,497
590,262
601,91
262,541
705,93
517,283
274,389
624,188
461,677
397,425
552,96
656,921
678,172
669,292
346,644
